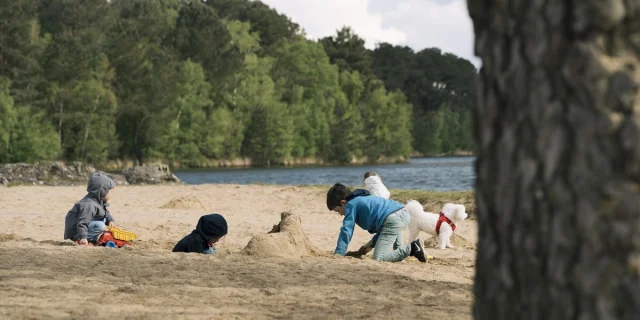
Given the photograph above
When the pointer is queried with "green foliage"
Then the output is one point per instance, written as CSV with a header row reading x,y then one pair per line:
x,y
428,132
190,81
7,118
271,25
24,136
347,51
198,30
430,80
185,117
32,138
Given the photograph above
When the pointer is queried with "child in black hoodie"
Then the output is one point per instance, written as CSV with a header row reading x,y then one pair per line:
x,y
209,230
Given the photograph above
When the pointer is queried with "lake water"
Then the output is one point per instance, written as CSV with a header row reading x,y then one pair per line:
x,y
439,174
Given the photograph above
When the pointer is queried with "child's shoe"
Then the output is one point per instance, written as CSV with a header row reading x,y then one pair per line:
x,y
417,251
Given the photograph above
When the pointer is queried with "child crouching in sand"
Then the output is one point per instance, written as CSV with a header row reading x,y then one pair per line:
x,y
209,230
384,218
90,216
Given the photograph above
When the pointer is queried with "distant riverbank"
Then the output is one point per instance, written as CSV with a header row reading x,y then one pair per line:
x,y
117,165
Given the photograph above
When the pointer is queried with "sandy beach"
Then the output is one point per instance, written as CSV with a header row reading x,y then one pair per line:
x,y
43,276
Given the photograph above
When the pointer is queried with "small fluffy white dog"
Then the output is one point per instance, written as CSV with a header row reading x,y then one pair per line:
x,y
440,225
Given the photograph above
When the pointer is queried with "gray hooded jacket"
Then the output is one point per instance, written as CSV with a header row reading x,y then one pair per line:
x,y
91,208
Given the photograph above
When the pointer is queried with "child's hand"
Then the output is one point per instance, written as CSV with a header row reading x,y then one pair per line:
x,y
354,254
364,250
112,224
83,242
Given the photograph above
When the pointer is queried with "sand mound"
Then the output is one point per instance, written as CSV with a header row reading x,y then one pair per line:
x,y
185,203
286,239
456,240
8,237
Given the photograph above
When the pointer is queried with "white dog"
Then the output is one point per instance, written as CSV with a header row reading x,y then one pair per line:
x,y
440,225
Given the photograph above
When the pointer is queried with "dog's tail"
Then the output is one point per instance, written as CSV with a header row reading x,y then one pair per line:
x,y
414,207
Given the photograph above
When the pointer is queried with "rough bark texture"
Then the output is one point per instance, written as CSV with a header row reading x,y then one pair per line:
x,y
558,168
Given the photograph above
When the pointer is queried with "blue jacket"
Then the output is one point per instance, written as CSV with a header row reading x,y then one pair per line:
x,y
366,211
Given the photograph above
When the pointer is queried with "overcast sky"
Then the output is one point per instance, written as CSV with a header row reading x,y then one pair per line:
x,y
418,24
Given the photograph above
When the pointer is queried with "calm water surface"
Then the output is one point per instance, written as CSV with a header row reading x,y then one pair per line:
x,y
440,174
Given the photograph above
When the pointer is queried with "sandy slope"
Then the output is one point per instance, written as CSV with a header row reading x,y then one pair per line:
x,y
42,276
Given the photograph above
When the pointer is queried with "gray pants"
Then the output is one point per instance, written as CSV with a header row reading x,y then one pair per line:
x,y
390,246
95,229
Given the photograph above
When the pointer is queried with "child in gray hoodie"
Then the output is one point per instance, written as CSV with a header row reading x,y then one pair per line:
x,y
89,217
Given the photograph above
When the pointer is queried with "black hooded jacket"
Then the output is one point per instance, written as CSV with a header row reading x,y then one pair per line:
x,y
209,227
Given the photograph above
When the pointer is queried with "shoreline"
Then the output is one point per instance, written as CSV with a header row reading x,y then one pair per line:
x,y
245,163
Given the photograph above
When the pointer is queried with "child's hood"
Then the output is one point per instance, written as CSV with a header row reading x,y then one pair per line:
x,y
212,226
358,193
98,186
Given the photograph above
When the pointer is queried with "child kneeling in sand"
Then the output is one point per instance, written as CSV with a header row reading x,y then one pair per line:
x,y
384,218
89,217
373,183
209,230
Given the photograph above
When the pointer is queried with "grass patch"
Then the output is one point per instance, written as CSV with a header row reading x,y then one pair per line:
x,y
15,184
431,200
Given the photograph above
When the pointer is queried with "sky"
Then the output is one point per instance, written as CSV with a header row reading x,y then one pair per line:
x,y
418,24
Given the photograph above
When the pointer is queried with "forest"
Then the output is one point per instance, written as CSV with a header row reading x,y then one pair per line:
x,y
190,81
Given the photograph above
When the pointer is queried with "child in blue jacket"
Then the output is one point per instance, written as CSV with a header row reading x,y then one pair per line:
x,y
384,218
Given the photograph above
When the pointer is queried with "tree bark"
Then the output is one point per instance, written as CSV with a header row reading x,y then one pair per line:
x,y
60,115
136,148
88,128
558,168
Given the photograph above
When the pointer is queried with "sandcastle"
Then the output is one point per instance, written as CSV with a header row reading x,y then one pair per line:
x,y
286,239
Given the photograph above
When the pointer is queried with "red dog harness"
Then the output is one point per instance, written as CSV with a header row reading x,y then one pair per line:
x,y
442,219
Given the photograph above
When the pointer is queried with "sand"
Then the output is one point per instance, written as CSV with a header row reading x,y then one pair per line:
x,y
185,203
42,276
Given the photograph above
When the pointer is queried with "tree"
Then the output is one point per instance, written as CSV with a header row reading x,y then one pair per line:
x,y
466,131
429,79
450,132
24,136
347,134
309,84
185,137
189,81
7,118
393,65
79,78
21,48
272,26
269,134
347,51
387,126
201,35
557,170
429,133
145,70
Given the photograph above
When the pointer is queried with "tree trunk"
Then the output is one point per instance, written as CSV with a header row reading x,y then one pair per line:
x,y
88,128
136,148
558,166
60,114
